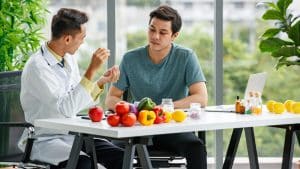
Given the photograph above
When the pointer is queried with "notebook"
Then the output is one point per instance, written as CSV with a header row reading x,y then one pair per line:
x,y
256,82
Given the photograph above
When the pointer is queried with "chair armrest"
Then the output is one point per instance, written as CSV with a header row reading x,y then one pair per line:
x,y
30,139
16,124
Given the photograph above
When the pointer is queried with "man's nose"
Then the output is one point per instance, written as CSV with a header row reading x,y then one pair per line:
x,y
156,35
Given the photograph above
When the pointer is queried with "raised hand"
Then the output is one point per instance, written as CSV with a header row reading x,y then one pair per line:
x,y
111,75
98,58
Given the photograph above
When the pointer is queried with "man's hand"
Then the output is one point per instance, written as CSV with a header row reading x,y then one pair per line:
x,y
98,58
111,75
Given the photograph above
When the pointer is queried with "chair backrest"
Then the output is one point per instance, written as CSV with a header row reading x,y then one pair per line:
x,y
10,111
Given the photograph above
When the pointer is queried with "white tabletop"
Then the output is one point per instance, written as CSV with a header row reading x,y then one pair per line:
x,y
208,121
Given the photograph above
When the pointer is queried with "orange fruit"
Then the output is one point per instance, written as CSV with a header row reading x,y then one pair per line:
x,y
270,105
296,107
278,108
288,105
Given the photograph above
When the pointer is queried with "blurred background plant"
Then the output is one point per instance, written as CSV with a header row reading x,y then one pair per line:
x,y
20,34
283,39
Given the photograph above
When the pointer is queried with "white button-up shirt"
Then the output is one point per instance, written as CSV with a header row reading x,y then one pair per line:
x,y
51,91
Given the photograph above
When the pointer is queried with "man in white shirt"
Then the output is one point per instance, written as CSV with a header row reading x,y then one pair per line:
x,y
51,87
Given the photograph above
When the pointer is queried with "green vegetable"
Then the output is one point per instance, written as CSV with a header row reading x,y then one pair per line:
x,y
146,104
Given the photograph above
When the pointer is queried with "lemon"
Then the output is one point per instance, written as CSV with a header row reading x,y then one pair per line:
x,y
179,115
296,107
288,105
278,108
270,105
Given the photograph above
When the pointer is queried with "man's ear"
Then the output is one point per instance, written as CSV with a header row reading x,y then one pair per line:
x,y
174,36
67,39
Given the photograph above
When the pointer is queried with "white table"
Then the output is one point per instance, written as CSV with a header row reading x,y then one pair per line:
x,y
208,121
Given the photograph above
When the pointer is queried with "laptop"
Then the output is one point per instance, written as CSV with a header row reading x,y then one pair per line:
x,y
256,82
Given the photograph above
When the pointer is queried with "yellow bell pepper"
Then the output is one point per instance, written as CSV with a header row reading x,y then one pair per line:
x,y
146,117
168,116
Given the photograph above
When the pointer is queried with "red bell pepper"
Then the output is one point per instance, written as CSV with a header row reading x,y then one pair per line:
x,y
160,116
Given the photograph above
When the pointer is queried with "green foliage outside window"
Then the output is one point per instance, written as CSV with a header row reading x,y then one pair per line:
x,y
20,34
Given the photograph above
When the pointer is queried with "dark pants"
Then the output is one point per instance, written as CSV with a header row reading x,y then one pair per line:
x,y
108,155
187,145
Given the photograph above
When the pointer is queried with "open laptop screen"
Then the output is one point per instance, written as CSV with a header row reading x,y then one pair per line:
x,y
256,83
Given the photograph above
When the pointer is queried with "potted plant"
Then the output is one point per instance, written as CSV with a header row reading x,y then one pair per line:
x,y
20,34
283,39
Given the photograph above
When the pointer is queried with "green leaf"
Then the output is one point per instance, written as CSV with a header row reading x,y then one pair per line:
x,y
285,51
20,20
272,15
270,33
294,33
272,44
283,5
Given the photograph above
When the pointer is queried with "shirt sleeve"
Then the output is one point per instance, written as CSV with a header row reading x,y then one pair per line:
x,y
92,88
194,72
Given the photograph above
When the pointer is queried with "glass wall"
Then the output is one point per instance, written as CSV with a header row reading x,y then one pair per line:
x,y
96,27
242,27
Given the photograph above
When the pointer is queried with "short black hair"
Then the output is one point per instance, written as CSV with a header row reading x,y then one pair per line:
x,y
167,13
67,22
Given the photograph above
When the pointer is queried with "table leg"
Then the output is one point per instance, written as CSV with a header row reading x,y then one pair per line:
x,y
90,149
143,156
232,148
298,136
251,147
128,155
74,155
288,149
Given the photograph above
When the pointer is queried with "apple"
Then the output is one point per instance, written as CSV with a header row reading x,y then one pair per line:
x,y
96,114
128,119
122,108
113,120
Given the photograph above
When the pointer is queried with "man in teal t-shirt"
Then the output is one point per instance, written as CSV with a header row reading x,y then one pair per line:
x,y
163,69
168,79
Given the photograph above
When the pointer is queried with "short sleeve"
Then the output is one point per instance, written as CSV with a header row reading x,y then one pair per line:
x,y
193,71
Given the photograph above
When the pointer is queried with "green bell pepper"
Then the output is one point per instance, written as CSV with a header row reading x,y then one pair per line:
x,y
146,104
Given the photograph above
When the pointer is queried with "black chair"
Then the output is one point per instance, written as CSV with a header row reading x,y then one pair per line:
x,y
12,123
161,158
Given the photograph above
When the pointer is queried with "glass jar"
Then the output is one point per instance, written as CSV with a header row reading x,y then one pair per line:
x,y
195,110
167,105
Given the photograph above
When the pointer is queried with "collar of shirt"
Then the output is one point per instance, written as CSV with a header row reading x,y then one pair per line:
x,y
50,57
58,57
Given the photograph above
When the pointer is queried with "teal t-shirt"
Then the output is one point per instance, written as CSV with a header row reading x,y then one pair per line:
x,y
168,79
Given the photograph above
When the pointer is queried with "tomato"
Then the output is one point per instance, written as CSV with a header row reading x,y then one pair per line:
x,y
122,108
96,114
128,119
113,120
